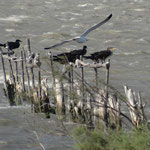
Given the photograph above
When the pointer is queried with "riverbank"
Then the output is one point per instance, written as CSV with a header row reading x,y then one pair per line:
x,y
20,130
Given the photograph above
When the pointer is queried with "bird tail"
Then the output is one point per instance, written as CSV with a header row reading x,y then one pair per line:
x,y
55,58
87,57
3,45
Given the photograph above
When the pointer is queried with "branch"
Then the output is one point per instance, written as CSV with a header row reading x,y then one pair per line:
x,y
79,63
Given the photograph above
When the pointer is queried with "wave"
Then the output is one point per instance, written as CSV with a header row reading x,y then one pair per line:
x,y
15,107
14,18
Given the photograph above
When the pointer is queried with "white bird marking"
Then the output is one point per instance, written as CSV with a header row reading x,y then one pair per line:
x,y
82,37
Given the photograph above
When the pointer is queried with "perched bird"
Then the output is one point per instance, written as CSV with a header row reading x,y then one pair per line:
x,y
71,56
11,45
101,55
31,57
37,61
79,52
82,37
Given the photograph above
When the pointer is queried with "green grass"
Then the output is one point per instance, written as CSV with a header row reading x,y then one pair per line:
x,y
136,139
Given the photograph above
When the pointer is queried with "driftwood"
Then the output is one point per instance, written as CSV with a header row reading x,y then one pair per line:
x,y
79,102
59,94
8,53
45,98
113,109
135,106
79,63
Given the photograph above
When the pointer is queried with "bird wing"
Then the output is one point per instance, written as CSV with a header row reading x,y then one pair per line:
x,y
58,44
96,26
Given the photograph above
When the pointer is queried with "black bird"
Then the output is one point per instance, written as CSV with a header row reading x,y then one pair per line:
x,y
71,56
11,45
101,55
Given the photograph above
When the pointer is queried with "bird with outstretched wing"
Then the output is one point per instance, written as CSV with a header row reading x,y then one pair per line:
x,y
82,37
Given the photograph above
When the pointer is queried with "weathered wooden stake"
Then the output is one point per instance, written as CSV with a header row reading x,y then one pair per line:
x,y
39,83
29,47
11,72
52,67
59,94
16,65
89,110
3,66
82,77
32,71
106,94
141,106
27,72
96,76
71,77
22,71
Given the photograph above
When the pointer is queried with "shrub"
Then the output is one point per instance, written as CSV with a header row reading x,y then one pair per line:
x,y
136,139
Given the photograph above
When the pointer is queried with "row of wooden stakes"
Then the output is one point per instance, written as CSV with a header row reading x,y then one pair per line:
x,y
70,97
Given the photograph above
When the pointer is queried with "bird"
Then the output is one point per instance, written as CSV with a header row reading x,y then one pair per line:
x,y
37,61
82,37
31,57
100,55
71,56
11,45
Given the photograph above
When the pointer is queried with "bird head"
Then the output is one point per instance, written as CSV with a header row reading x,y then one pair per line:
x,y
18,41
84,47
111,48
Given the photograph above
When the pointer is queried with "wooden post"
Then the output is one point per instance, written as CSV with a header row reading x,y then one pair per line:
x,y
29,47
22,71
16,64
96,77
11,71
89,110
3,66
32,74
106,94
27,72
59,91
82,78
39,80
32,71
52,67
71,77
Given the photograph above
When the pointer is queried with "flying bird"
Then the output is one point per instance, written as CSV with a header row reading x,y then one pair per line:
x,y
101,55
82,37
71,56
11,45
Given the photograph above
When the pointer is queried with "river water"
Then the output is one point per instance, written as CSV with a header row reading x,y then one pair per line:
x,y
47,22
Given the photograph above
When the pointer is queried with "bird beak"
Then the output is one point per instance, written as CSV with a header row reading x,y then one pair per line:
x,y
113,48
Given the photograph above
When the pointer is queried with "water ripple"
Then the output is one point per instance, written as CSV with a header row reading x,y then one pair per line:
x,y
85,5
14,18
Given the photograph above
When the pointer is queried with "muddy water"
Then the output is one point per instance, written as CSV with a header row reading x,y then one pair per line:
x,y
21,130
47,22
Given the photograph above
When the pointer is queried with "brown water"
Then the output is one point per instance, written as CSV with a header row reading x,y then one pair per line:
x,y
47,22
